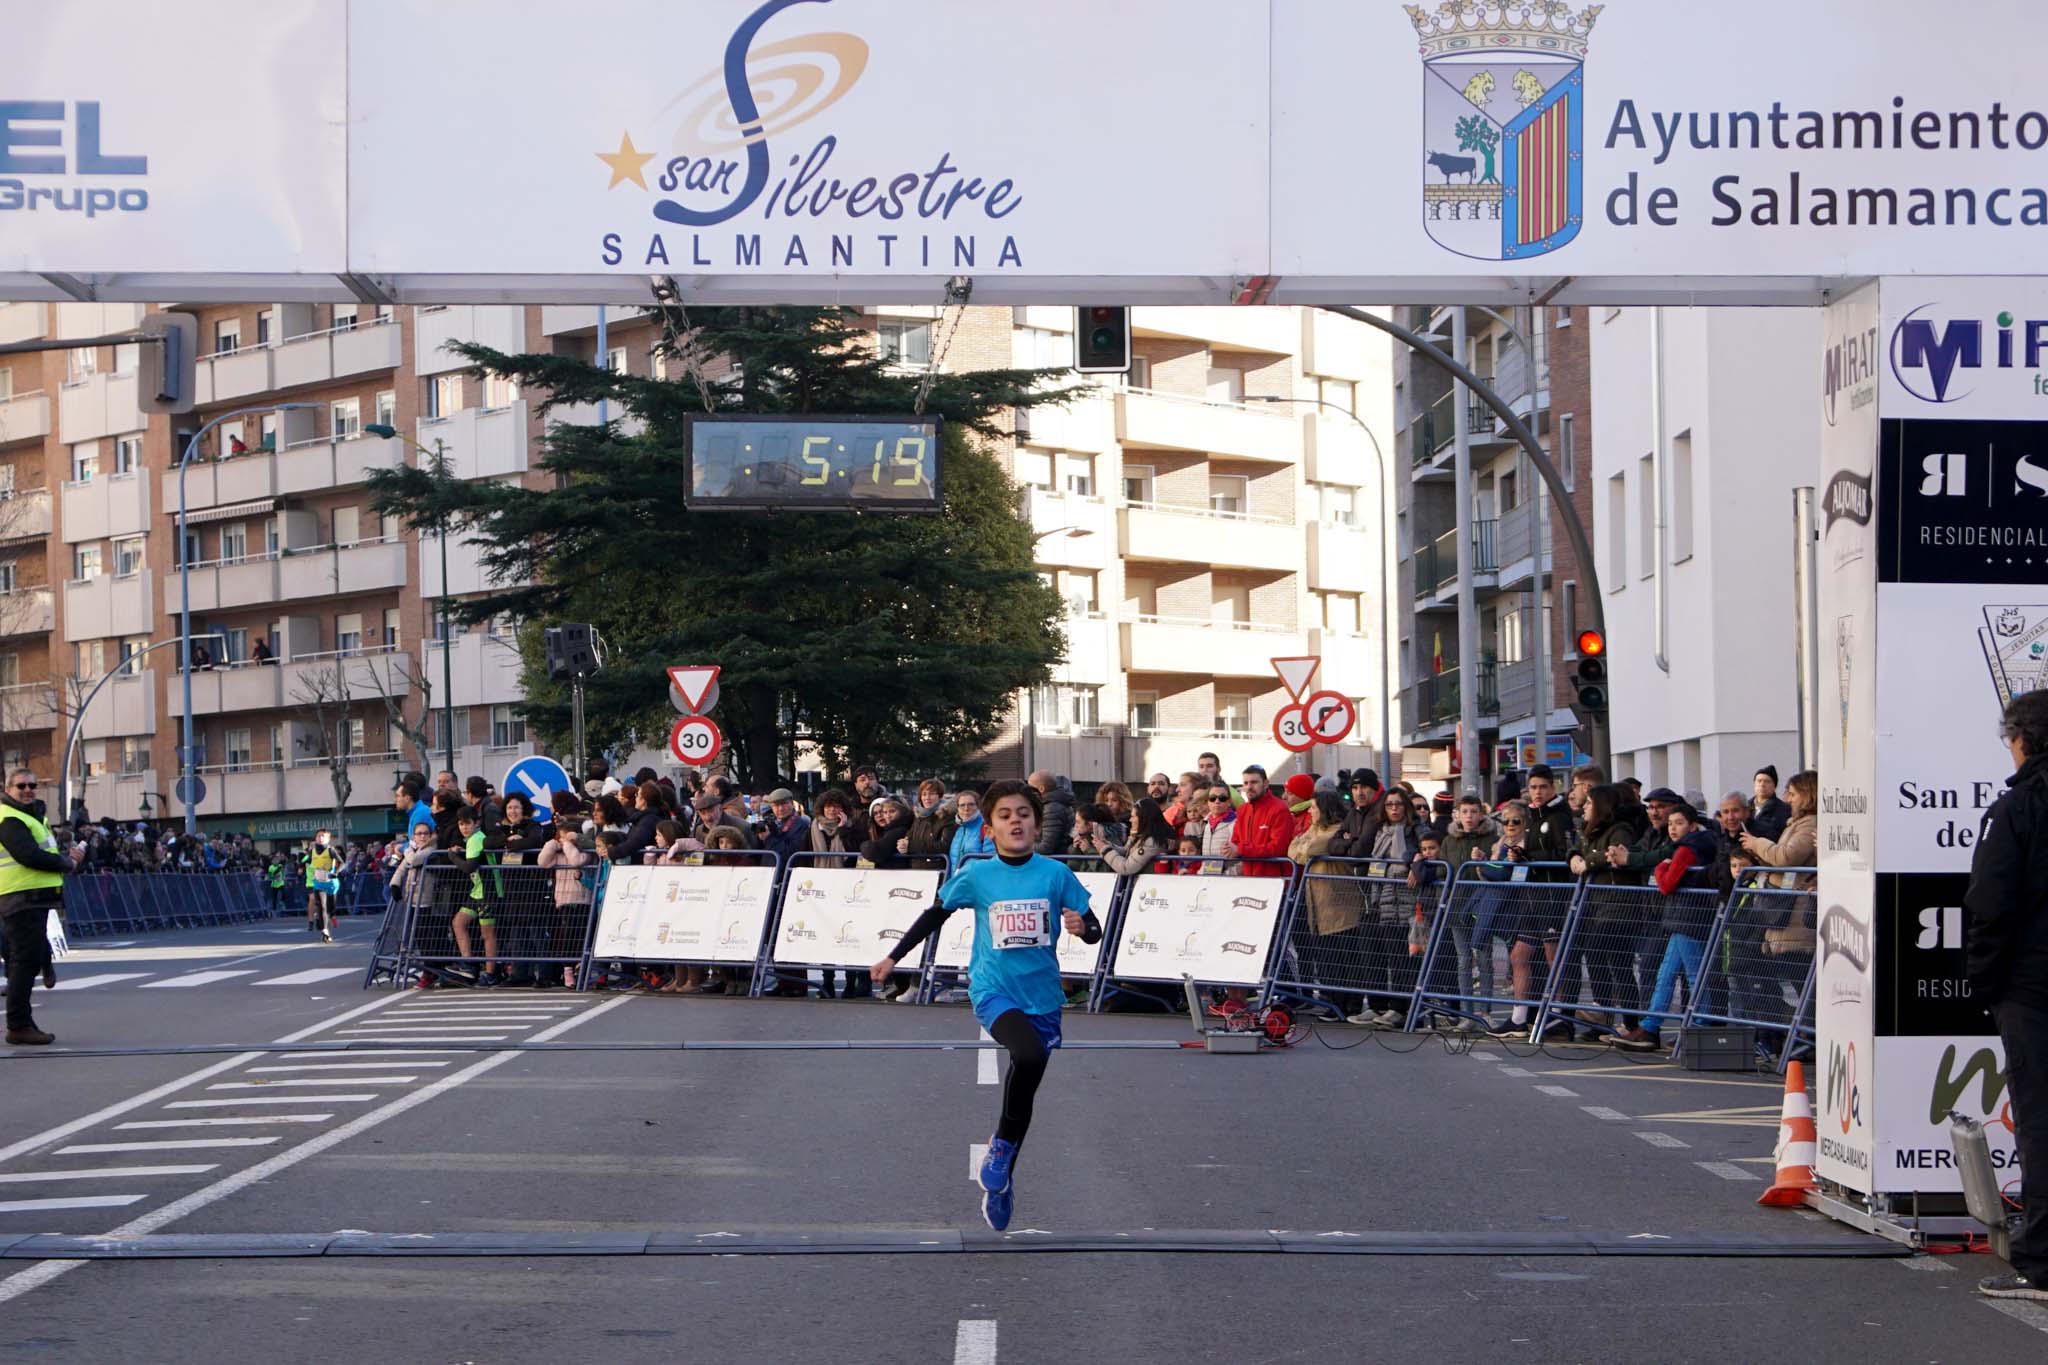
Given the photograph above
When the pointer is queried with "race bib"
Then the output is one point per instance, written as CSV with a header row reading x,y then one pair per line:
x,y
1020,924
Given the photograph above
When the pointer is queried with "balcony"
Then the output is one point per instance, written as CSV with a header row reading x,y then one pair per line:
x,y
226,691
24,417
1275,331
1071,532
1518,546
1338,347
1166,533
319,357
501,328
1351,663
1436,564
125,707
585,415
1435,700
28,611
1176,644
23,322
1340,558
1169,421
1087,424
309,783
480,442
24,514
241,788
484,670
558,320
1517,690
1336,450
330,570
229,375
97,406
1092,645
315,466
1432,431
105,506
119,796
28,706
104,607
246,581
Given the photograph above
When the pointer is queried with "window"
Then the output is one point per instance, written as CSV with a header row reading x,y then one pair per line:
x,y
391,628
1225,384
348,634
89,658
190,554
1138,482
1233,713
1646,518
1140,374
508,729
10,670
1232,603
1078,587
87,562
127,454
1339,504
1564,318
903,342
85,462
276,743
134,757
1341,393
348,525
128,556
1681,497
1045,707
6,385
234,645
228,438
1080,471
81,365
444,395
345,315
234,543
352,736
266,327
1227,494
387,408
1144,712
267,425
499,627
348,419
240,750
1034,469
6,578
1567,452
499,391
1340,613
1509,646
227,336
273,537
1041,348
1615,535
1510,490
615,360
130,653
1086,703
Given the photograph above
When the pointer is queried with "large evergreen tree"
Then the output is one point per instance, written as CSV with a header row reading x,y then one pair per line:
x,y
894,638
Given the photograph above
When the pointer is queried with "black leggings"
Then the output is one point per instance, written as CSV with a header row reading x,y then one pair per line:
x,y
1028,1056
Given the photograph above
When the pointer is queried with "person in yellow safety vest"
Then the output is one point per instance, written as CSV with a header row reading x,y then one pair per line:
x,y
323,879
31,884
469,822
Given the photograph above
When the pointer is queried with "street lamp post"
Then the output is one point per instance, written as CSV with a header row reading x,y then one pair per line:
x,y
185,764
1386,601
439,455
78,720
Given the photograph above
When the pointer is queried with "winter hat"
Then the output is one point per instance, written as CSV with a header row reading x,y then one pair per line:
x,y
1301,787
1769,770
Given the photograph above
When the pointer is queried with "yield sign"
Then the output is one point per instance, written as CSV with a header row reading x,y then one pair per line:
x,y
694,682
1295,672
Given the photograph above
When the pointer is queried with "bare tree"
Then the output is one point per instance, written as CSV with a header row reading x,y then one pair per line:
x,y
324,695
397,677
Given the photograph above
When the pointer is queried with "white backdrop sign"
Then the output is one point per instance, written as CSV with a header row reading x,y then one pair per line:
x,y
956,940
848,916
1215,929
677,914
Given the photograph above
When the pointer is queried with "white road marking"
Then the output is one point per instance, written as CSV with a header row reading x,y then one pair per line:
x,y
1662,1140
64,1130
1516,1071
1559,1091
307,978
1601,1111
196,979
338,1080
495,1007
341,1066
2032,1314
974,1342
275,1099
985,1061
225,1123
404,1052
102,1173
86,983
1727,1170
448,1018
43,1272
166,1145
441,1036
975,1152
86,1201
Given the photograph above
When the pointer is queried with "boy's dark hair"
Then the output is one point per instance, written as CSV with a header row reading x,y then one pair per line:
x,y
477,788
671,828
469,815
1010,786
1468,799
1095,813
446,801
1428,834
1543,771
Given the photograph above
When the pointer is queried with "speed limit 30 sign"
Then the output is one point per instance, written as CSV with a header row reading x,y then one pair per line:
x,y
1290,728
695,741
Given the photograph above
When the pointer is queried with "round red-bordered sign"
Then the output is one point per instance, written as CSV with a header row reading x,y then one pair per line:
x,y
1329,716
695,741
1290,728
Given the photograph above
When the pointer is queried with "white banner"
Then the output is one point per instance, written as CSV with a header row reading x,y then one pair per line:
x,y
956,940
1215,929
60,946
848,916
1922,1080
684,914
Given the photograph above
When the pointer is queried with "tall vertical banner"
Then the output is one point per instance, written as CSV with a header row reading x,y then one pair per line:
x,y
1958,567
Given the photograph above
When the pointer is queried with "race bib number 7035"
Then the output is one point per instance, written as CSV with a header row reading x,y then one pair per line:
x,y
1020,924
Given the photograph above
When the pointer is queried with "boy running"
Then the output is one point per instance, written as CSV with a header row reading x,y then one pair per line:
x,y
1014,973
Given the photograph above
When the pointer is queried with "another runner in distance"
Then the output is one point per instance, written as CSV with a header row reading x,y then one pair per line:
x,y
1013,976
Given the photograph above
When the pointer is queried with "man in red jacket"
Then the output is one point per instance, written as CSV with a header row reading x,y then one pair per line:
x,y
1263,829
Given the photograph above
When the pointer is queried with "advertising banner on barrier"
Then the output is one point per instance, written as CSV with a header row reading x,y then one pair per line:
x,y
675,914
848,916
1215,929
956,940
1920,1081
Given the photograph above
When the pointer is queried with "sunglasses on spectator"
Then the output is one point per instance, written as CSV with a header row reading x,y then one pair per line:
x,y
1514,824
24,786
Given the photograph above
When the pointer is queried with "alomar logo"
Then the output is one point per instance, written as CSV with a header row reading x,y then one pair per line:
x,y
1848,497
721,166
1240,946
1249,903
900,893
1843,935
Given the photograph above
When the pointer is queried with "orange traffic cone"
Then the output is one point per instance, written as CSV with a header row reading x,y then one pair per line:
x,y
1796,1139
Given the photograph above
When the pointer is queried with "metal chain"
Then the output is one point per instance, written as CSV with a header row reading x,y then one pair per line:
x,y
692,358
958,290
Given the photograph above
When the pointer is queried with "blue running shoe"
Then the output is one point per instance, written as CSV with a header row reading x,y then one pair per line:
x,y
997,1165
996,1206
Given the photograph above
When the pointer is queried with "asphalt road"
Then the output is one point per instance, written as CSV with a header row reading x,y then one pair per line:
x,y
413,1131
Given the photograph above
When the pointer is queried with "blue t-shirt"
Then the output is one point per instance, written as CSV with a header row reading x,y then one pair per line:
x,y
1018,906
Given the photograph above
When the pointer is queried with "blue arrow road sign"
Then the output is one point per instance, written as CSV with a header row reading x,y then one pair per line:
x,y
535,777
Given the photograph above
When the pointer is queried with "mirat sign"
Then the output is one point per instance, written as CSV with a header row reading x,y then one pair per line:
x,y
1157,150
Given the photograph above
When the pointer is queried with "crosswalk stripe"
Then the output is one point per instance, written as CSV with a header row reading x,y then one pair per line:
x,y
345,1066
225,1123
338,1080
276,1099
86,983
198,979
89,1201
307,978
101,1173
439,1037
402,1052
166,1145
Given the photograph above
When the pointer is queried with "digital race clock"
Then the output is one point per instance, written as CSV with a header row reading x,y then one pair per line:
x,y
815,463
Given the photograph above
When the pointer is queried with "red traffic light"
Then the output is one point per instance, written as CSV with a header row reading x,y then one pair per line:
x,y
1592,644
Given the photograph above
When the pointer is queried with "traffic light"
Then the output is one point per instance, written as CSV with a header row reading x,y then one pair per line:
x,y
1591,674
168,364
1102,340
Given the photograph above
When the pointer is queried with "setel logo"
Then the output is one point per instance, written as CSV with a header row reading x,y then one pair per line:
x,y
1926,353
1941,926
40,139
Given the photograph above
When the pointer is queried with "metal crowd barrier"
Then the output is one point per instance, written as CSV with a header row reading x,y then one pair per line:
x,y
537,926
1618,955
1355,935
1182,919
362,892
134,902
832,915
1760,962
1079,962
1498,924
712,911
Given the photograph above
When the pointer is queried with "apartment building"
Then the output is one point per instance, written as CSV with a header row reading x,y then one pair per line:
x,y
1710,696
1536,359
